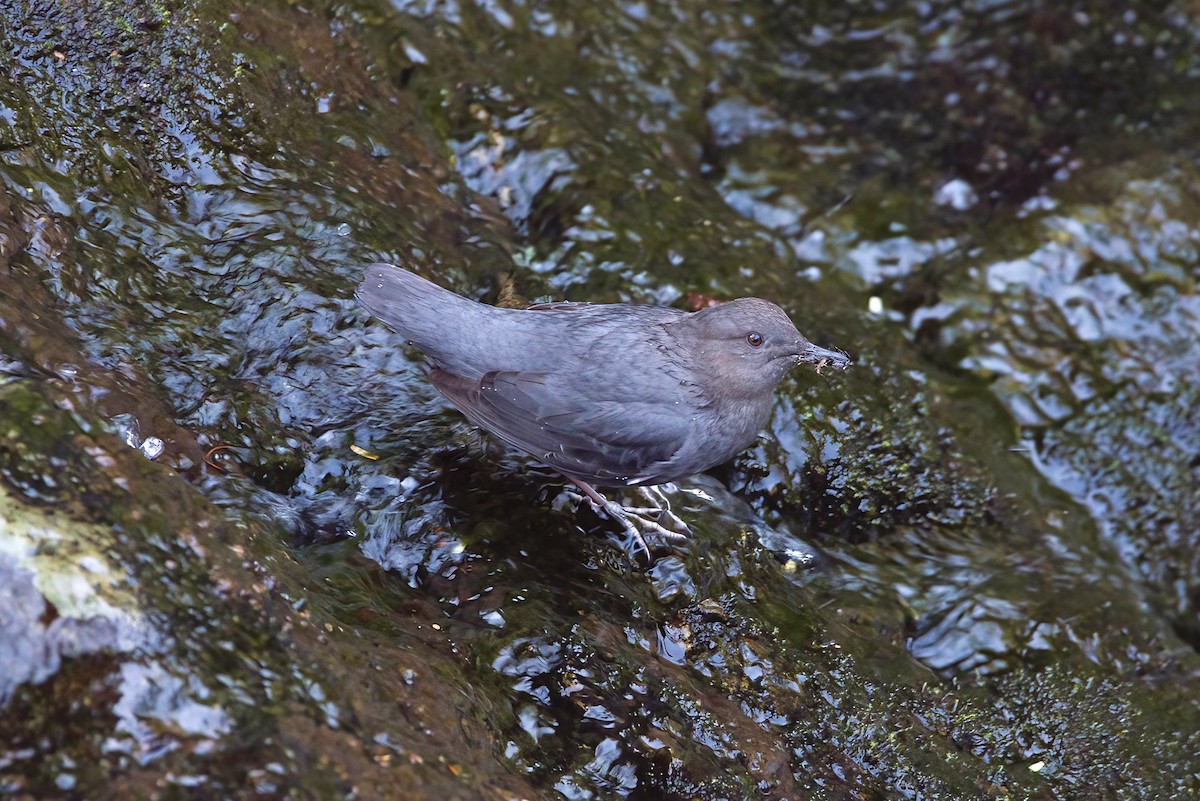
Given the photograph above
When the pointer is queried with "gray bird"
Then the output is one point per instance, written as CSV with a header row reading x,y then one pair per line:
x,y
606,394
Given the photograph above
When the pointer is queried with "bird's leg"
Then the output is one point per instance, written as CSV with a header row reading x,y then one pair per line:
x,y
643,517
615,512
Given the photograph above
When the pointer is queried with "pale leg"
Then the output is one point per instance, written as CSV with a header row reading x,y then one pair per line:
x,y
643,517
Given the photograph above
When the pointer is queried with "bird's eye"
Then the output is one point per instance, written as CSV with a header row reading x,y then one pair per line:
x,y
754,338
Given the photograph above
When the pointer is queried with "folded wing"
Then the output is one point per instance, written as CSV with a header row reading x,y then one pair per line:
x,y
599,438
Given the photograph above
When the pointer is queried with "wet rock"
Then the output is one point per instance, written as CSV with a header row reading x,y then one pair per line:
x,y
358,594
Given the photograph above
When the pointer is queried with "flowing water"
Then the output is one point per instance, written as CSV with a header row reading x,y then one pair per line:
x,y
247,552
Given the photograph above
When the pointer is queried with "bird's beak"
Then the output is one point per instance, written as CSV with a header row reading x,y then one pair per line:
x,y
821,357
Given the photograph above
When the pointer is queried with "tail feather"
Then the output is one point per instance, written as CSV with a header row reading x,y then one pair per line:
x,y
446,326
406,302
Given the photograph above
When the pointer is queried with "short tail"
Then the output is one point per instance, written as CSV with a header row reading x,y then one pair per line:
x,y
408,304
446,326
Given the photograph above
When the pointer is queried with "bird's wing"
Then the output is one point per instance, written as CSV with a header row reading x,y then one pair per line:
x,y
599,440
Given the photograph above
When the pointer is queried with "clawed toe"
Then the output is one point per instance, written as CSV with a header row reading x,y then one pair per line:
x,y
638,522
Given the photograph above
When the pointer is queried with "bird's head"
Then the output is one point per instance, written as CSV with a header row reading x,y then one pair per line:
x,y
748,345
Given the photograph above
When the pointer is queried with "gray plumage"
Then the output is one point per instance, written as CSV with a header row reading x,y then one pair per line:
x,y
605,394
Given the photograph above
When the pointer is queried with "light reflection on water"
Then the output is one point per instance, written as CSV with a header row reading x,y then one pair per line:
x,y
647,151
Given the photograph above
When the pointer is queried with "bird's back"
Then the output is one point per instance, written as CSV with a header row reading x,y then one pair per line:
x,y
470,339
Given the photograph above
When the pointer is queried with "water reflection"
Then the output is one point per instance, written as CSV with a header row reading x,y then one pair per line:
x,y
889,578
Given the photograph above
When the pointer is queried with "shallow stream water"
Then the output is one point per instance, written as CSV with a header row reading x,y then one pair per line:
x,y
247,552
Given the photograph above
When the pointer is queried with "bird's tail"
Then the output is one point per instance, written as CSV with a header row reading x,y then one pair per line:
x,y
447,327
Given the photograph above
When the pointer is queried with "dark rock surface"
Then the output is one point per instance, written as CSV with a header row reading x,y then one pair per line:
x,y
967,570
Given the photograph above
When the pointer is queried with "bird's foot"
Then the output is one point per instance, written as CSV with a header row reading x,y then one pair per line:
x,y
667,524
655,519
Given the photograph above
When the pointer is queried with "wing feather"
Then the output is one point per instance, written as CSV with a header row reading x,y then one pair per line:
x,y
598,438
